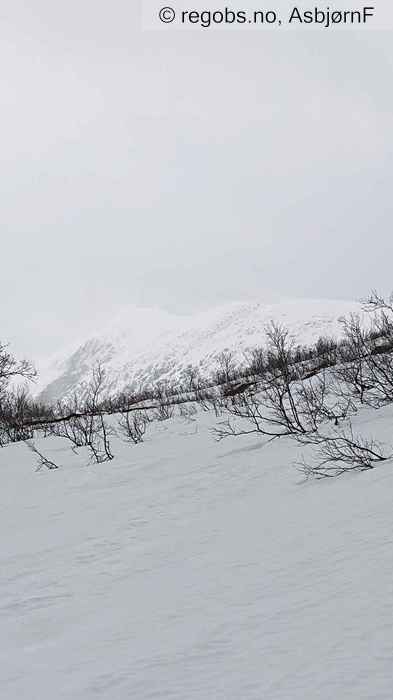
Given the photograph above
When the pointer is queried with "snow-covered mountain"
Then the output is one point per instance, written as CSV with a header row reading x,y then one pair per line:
x,y
141,346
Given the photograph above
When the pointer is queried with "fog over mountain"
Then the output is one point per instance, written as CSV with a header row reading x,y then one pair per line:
x,y
143,345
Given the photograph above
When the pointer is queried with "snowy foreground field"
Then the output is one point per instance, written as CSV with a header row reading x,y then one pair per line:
x,y
189,569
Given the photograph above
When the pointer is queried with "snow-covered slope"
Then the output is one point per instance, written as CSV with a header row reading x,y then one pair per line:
x,y
188,569
145,345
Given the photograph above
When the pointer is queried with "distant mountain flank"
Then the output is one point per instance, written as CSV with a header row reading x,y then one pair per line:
x,y
142,346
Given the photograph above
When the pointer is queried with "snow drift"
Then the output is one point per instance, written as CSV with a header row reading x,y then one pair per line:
x,y
188,568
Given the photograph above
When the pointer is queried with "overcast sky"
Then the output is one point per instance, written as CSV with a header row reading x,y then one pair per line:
x,y
185,169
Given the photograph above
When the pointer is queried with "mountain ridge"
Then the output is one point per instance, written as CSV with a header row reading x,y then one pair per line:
x,y
142,346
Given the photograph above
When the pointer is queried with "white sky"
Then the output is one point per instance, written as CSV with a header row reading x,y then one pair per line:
x,y
184,169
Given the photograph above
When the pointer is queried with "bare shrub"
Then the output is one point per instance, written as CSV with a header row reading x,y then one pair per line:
x,y
14,403
320,399
366,370
14,416
99,445
290,400
270,409
84,424
225,371
11,368
132,425
42,461
377,303
187,411
343,452
256,362
166,405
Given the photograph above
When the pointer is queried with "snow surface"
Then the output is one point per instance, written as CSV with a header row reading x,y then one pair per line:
x,y
141,346
188,569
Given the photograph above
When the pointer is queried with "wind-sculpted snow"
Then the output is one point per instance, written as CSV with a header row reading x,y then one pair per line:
x,y
143,346
190,569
